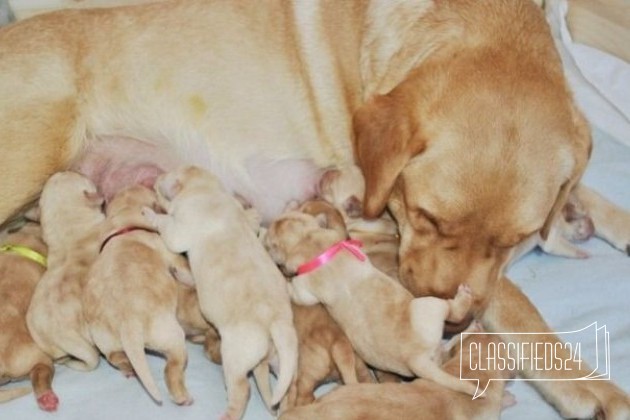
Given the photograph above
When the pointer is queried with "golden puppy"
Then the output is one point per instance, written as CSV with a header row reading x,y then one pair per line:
x,y
325,355
71,218
457,112
388,328
22,264
345,189
232,271
420,398
130,297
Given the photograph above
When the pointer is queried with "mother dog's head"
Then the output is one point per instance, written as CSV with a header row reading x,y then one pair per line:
x,y
474,151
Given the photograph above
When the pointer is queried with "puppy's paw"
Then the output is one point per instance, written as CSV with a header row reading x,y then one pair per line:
x,y
48,401
184,401
508,400
182,276
464,294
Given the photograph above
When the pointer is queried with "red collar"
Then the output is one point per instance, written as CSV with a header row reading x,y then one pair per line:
x,y
325,257
122,232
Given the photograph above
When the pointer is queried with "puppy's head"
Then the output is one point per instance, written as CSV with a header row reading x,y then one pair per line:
x,y
345,189
64,190
474,151
171,184
296,237
129,202
328,216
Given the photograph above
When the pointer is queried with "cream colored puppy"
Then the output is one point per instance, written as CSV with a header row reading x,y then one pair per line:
x,y
22,264
420,398
345,189
388,328
130,298
71,218
240,290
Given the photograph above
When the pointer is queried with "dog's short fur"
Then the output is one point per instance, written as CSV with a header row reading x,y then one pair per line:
x,y
388,328
19,355
130,297
71,217
241,292
457,112
418,399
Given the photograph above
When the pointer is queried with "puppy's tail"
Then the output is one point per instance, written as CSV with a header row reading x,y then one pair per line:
x,y
285,340
13,393
132,339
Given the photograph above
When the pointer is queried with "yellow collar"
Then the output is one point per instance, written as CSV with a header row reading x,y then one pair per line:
x,y
25,252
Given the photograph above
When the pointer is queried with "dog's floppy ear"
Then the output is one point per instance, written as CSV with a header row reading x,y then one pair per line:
x,y
384,142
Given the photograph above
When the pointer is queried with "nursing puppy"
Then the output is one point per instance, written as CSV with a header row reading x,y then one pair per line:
x,y
420,398
22,264
71,218
325,355
393,93
388,328
130,297
232,271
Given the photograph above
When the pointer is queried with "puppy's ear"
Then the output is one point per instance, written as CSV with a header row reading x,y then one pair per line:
x,y
168,187
327,179
384,142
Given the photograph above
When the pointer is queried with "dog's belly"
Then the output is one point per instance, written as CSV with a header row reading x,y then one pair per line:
x,y
116,162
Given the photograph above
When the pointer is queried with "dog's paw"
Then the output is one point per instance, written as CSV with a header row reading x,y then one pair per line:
x,y
48,401
508,400
185,400
182,276
464,292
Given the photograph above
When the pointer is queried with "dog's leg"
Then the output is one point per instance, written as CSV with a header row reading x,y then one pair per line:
x,y
238,361
212,345
612,223
459,306
168,228
425,367
180,270
343,356
120,361
39,122
176,358
510,311
364,374
41,378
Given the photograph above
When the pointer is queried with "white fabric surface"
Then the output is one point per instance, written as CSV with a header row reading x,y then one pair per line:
x,y
571,294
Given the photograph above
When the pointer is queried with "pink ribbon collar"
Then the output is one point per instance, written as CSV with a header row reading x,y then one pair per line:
x,y
350,245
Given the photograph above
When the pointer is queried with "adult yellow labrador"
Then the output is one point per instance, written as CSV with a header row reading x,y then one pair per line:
x,y
456,110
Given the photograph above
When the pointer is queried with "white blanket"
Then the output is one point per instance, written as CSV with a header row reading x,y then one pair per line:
x,y
570,294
